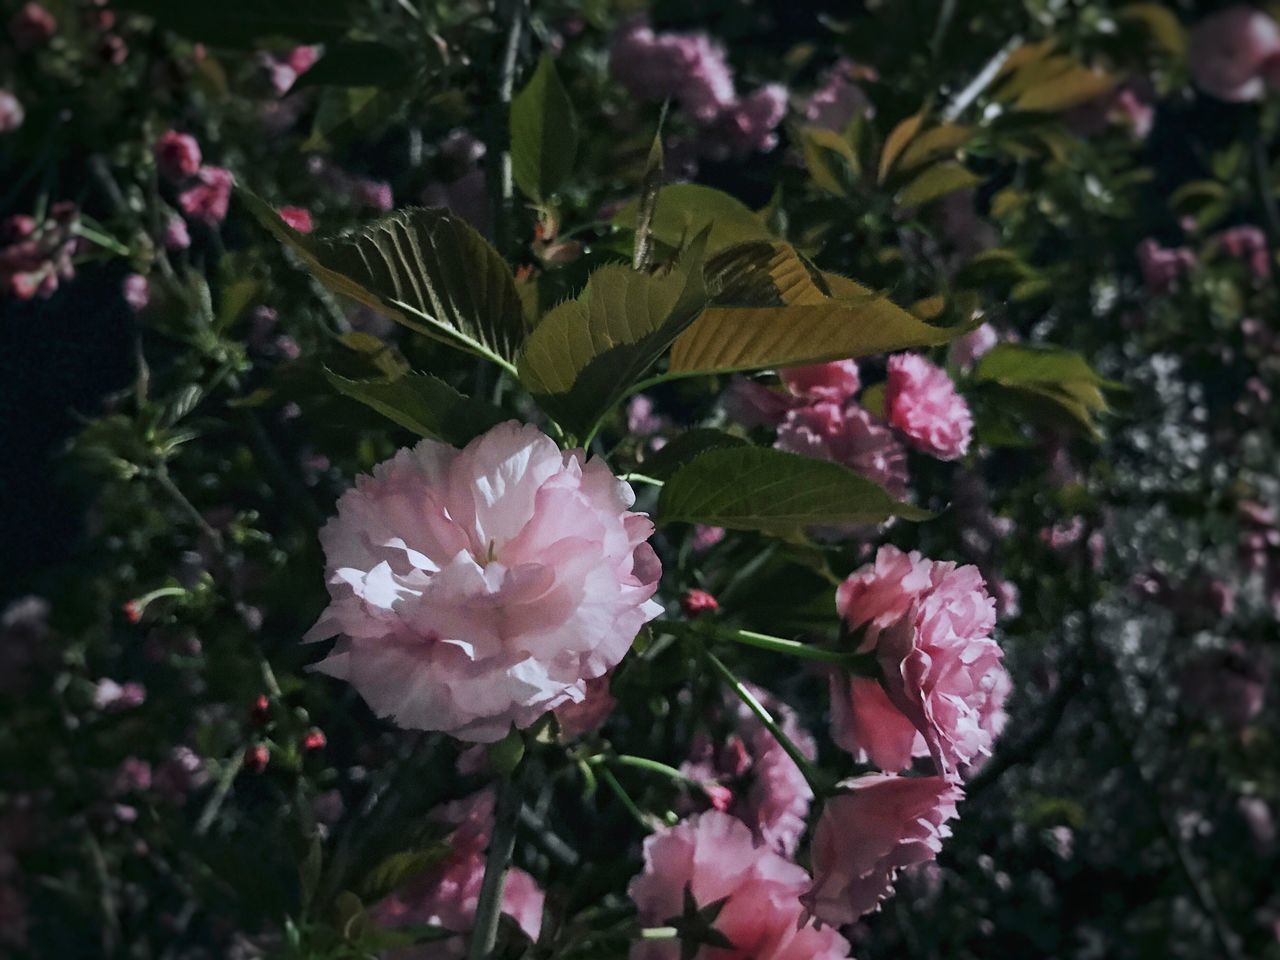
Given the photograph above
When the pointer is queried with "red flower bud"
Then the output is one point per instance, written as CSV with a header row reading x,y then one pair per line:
x,y
697,602
261,711
256,758
314,740
133,611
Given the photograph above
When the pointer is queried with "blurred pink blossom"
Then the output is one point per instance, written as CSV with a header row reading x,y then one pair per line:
x,y
922,402
849,435
177,155
1227,51
11,112
1162,266
32,26
136,291
837,381
589,714
208,199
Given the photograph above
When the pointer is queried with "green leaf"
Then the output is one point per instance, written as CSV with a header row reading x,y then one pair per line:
x,y
897,141
1065,90
584,354
544,133
243,22
1046,380
685,209
424,404
1160,23
933,145
937,182
829,158
346,113
771,309
692,443
757,488
426,269
359,63
399,868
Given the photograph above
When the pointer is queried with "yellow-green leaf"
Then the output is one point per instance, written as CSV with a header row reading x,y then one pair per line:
x,y
685,209
897,141
937,182
544,132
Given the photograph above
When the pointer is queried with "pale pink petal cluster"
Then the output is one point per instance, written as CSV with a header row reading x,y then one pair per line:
x,y
764,787
208,198
715,857
967,350
922,402
943,686
447,894
476,589
1233,51
836,381
589,714
847,434
874,827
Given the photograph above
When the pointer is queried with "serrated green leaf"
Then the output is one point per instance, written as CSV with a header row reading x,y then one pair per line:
x,y
544,133
426,269
771,309
936,182
685,209
758,488
424,404
584,354
359,63
692,443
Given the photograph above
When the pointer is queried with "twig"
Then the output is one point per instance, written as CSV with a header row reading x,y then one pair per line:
x,y
511,16
979,83
484,934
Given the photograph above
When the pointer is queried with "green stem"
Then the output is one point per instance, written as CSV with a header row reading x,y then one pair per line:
x,y
811,775
641,478
620,792
484,935
857,662
653,766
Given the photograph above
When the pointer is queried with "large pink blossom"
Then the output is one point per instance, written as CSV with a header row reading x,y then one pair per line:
x,y
922,402
849,435
714,857
448,893
479,588
837,381
747,125
1228,52
943,687
688,67
208,198
875,826
765,788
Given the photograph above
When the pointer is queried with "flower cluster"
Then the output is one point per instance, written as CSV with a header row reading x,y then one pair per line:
x,y
36,257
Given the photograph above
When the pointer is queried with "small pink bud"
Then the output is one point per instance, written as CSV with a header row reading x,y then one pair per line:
x,y
697,602
256,758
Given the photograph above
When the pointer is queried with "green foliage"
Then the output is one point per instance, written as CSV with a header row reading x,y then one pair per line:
x,y
755,488
685,209
584,354
424,404
245,22
1044,380
688,445
426,269
544,133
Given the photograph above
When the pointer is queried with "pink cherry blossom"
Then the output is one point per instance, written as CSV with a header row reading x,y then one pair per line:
x,y
209,197
763,786
687,67
136,291
714,857
849,435
1162,266
943,688
479,588
836,381
922,402
747,125
1227,51
297,217
835,104
967,350
587,716
448,893
176,236
876,826
11,112
755,405
32,26
177,155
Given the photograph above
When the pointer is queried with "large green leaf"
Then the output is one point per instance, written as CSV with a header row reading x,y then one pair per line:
x,y
757,488
691,444
242,22
685,209
424,404
581,358
544,133
771,309
1047,381
427,269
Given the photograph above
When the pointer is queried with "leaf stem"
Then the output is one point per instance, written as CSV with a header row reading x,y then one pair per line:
x,y
621,793
811,775
653,766
641,478
484,934
857,662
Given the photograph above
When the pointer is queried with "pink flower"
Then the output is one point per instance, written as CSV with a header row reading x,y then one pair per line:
x,y
176,236
923,403
587,716
714,857
209,198
448,893
769,792
1227,52
1248,244
642,420
866,834
177,155
704,537
1230,684
11,112
943,688
849,435
837,381
834,105
32,26
479,588
375,194
755,405
111,696
297,217
687,67
136,291
967,350
1162,266
302,58
747,125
